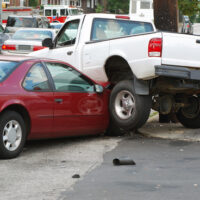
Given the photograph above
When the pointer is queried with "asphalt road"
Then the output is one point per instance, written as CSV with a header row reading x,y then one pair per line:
x,y
45,168
164,170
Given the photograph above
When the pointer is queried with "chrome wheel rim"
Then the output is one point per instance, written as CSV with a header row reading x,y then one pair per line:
x,y
12,135
124,104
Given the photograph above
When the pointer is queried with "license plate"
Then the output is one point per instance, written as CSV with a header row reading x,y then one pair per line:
x,y
24,47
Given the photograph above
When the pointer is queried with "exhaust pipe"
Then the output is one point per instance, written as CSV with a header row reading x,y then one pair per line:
x,y
123,161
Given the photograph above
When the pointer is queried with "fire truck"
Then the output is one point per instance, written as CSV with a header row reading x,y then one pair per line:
x,y
59,13
21,11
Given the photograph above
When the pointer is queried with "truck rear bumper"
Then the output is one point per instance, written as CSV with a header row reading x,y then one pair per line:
x,y
177,72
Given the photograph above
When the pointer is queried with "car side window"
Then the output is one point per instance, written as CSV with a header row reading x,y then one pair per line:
x,y
67,79
36,79
69,33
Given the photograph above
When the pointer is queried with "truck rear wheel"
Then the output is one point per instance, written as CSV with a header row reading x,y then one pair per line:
x,y
190,116
129,110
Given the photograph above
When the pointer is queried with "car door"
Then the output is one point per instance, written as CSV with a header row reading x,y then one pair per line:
x,y
65,43
39,100
78,109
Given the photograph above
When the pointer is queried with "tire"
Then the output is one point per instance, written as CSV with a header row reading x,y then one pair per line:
x,y
164,118
12,134
114,130
127,109
190,116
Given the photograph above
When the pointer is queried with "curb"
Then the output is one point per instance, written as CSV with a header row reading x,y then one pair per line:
x,y
172,131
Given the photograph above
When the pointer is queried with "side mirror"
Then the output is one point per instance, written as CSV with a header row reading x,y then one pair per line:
x,y
47,42
98,88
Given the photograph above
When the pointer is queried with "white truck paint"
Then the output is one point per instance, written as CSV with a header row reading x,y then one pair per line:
x,y
139,62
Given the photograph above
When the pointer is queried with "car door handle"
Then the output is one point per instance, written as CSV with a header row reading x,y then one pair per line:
x,y
58,100
69,53
198,41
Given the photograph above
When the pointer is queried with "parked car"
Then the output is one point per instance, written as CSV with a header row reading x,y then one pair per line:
x,y
15,22
147,69
27,40
3,35
43,98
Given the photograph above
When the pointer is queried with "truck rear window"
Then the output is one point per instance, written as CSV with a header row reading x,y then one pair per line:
x,y
6,67
103,29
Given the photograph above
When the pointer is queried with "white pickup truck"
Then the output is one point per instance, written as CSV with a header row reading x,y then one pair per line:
x,y
147,69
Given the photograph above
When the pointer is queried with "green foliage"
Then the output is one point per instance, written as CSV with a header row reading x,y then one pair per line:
x,y
118,6
33,3
99,8
41,7
189,7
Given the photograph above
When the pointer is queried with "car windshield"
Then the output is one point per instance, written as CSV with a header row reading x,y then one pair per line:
x,y
6,67
21,22
32,35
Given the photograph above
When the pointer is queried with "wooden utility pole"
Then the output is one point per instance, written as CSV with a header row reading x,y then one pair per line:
x,y
166,15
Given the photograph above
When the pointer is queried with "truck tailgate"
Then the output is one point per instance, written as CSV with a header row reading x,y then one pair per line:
x,y
181,50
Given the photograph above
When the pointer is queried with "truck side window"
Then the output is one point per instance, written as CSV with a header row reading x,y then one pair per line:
x,y
48,12
68,34
62,12
54,12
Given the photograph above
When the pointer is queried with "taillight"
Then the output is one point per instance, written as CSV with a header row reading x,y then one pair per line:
x,y
11,47
155,47
36,48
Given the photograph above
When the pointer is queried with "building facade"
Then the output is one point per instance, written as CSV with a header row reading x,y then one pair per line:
x,y
141,8
87,5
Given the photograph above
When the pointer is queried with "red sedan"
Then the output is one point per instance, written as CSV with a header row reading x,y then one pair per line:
x,y
42,98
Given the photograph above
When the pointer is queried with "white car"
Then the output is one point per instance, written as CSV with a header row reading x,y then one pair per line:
x,y
27,40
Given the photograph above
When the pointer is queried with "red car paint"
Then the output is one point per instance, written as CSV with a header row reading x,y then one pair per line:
x,y
78,113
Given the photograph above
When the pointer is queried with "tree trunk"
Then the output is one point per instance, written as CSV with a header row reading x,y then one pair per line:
x,y
166,15
84,5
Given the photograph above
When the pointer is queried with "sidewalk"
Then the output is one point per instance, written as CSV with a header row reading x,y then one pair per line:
x,y
173,131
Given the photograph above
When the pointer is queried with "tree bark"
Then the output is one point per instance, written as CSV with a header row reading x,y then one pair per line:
x,y
166,15
84,5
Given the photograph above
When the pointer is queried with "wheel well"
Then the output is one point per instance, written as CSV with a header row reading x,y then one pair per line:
x,y
117,69
22,111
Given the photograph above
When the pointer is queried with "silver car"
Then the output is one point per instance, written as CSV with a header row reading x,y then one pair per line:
x,y
15,22
25,41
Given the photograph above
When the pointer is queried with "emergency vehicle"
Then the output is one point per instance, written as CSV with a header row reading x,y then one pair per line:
x,y
59,13
20,11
